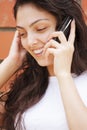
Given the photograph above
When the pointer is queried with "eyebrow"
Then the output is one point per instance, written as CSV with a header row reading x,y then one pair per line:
x,y
32,23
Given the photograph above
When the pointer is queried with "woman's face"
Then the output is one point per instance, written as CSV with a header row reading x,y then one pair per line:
x,y
35,26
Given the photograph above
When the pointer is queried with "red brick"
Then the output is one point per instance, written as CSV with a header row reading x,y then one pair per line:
x,y
84,6
5,42
6,13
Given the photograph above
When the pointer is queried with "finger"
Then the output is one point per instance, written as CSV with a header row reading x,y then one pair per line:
x,y
50,51
52,43
15,39
72,33
16,35
60,35
15,46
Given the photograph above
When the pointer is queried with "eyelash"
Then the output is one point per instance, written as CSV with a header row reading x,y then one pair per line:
x,y
39,30
42,29
22,34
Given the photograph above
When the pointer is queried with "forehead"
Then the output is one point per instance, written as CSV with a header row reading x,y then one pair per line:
x,y
30,13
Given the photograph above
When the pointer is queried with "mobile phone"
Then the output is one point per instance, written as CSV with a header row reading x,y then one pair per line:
x,y
64,27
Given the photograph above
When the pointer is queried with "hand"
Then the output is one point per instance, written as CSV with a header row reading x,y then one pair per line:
x,y
17,52
62,52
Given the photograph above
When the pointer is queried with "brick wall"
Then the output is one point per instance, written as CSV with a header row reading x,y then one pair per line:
x,y
84,6
7,24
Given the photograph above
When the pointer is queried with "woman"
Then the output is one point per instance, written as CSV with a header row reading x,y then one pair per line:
x,y
50,92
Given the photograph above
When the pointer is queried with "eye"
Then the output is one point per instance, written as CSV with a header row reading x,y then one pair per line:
x,y
23,35
41,29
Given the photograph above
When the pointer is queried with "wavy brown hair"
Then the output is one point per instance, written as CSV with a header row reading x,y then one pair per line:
x,y
31,84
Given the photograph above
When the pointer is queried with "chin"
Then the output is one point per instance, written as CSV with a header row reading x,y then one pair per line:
x,y
45,63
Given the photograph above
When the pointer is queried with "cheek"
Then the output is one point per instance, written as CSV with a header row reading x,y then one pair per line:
x,y
45,37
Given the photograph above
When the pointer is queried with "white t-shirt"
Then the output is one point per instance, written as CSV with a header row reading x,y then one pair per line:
x,y
48,113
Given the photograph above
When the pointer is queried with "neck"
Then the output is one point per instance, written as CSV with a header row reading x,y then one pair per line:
x,y
51,70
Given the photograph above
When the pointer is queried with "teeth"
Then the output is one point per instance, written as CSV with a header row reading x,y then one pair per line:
x,y
38,51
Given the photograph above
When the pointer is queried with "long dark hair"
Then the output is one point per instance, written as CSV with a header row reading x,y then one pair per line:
x,y
31,83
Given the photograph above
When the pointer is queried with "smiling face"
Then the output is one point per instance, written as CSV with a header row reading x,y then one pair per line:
x,y
35,26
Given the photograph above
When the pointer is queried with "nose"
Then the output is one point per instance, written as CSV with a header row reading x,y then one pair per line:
x,y
32,40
